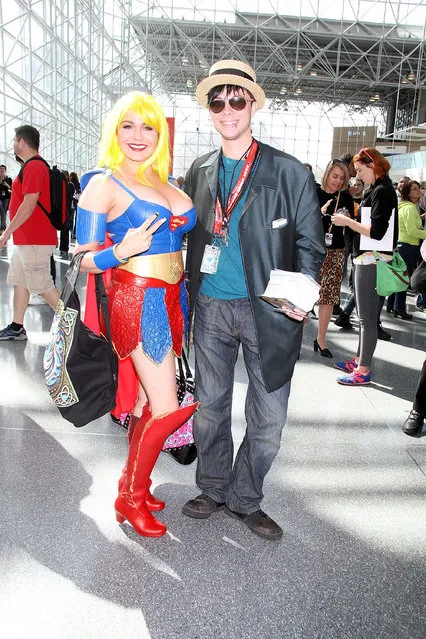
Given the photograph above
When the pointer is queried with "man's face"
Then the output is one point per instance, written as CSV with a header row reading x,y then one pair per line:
x,y
356,188
2,172
232,124
17,146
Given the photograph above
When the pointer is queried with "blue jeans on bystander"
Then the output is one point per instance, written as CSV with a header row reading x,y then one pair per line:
x,y
219,329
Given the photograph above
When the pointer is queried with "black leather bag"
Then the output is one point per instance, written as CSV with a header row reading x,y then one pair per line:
x,y
180,444
80,367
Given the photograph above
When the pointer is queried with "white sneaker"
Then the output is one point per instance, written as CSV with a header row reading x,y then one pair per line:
x,y
35,300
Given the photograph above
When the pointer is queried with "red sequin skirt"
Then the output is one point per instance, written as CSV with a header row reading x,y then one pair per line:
x,y
147,311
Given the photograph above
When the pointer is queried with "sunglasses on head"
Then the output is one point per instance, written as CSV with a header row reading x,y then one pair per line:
x,y
238,103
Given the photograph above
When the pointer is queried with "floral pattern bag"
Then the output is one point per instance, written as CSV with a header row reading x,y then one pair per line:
x,y
180,444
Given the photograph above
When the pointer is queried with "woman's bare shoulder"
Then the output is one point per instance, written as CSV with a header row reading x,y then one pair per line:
x,y
98,193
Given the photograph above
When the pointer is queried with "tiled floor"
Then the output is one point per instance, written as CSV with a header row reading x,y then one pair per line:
x,y
348,487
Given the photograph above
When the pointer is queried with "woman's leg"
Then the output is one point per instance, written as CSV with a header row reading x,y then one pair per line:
x,y
140,401
367,304
331,278
158,381
148,436
325,312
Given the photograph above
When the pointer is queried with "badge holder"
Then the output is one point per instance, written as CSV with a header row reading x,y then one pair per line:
x,y
210,259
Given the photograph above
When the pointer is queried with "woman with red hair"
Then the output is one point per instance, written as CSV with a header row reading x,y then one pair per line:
x,y
380,197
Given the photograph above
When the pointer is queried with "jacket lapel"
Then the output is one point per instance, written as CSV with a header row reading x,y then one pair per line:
x,y
263,178
211,167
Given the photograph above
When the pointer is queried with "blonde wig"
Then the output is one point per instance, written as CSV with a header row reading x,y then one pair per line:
x,y
341,165
150,112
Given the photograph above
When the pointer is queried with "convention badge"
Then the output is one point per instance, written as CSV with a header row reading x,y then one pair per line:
x,y
328,239
210,259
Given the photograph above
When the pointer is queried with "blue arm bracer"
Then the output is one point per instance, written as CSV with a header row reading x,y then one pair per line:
x,y
106,259
90,226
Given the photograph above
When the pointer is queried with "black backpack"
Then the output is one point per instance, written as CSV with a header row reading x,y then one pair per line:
x,y
58,195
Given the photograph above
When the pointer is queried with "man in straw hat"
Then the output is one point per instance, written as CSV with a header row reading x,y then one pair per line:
x,y
257,210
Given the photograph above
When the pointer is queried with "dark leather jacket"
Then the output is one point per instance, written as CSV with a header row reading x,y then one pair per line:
x,y
281,188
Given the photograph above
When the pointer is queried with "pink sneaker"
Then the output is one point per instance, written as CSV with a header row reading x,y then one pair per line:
x,y
354,379
347,367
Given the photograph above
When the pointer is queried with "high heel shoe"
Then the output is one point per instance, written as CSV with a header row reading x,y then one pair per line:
x,y
324,351
402,314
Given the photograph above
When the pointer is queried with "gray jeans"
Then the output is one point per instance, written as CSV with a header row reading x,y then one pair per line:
x,y
220,327
367,304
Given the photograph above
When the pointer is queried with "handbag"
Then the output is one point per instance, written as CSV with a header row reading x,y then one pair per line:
x,y
392,277
180,444
80,367
418,279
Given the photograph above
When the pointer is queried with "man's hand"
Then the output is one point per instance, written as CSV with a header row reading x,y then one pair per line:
x,y
294,312
4,238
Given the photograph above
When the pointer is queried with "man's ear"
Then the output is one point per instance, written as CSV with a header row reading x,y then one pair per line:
x,y
254,108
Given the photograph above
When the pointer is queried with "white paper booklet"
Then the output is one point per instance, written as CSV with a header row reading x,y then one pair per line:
x,y
386,243
298,289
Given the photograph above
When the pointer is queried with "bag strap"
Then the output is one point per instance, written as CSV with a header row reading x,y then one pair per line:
x,y
102,302
335,209
21,178
71,277
184,369
101,297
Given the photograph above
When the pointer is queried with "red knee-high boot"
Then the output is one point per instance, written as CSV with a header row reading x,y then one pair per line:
x,y
148,438
152,502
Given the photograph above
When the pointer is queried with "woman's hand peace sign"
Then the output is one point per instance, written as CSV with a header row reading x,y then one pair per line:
x,y
139,240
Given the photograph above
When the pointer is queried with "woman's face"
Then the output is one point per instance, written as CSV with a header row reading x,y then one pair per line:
x,y
365,172
415,193
136,139
336,180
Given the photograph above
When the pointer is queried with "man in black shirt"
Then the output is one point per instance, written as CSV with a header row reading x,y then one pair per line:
x,y
5,191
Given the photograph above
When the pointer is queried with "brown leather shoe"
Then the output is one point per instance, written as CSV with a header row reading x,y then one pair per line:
x,y
201,507
259,523
413,423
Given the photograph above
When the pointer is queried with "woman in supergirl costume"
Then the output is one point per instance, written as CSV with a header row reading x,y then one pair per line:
x,y
145,217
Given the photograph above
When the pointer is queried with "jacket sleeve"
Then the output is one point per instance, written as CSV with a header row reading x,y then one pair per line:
x,y
381,210
310,245
412,227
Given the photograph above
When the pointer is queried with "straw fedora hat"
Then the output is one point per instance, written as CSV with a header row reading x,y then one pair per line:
x,y
230,72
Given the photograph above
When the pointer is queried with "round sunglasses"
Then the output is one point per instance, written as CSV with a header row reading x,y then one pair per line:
x,y
238,103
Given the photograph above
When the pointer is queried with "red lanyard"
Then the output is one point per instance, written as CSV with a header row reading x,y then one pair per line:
x,y
221,221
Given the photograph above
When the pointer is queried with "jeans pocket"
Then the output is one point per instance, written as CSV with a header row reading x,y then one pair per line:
x,y
204,300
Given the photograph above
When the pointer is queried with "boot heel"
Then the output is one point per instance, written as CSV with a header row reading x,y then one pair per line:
x,y
119,517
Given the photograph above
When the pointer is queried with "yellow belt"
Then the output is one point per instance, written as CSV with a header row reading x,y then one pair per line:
x,y
164,266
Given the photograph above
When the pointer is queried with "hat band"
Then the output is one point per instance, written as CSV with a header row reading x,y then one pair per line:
x,y
232,72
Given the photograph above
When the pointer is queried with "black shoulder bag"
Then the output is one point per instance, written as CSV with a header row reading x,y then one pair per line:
x,y
80,367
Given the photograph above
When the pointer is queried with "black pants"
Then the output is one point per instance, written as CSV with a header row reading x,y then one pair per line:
x,y
64,244
420,396
53,269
